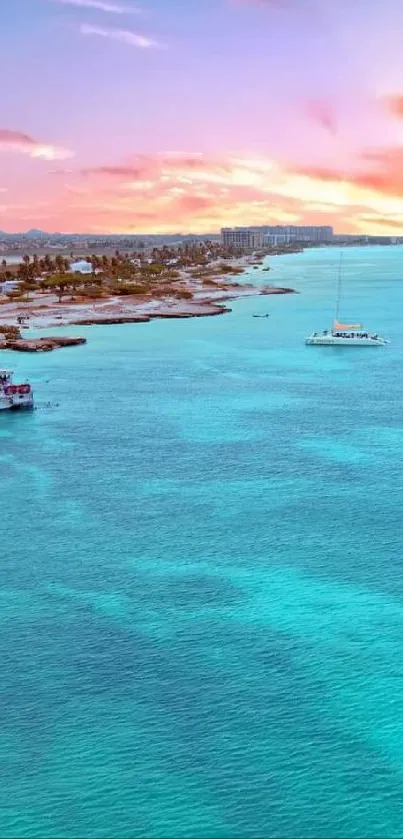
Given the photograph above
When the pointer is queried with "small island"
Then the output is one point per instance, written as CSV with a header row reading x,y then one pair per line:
x,y
40,344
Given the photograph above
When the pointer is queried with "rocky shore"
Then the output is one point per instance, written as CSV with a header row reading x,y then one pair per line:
x,y
193,311
40,344
110,320
198,296
13,340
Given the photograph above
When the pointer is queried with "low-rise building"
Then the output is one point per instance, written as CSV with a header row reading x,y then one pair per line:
x,y
9,285
81,267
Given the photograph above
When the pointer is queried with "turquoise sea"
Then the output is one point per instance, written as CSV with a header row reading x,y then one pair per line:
x,y
201,573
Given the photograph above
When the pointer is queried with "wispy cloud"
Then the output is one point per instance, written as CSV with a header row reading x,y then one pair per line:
x,y
102,6
321,112
379,171
18,142
395,105
126,36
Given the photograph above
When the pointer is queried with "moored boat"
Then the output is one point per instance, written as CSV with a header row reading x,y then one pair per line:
x,y
345,334
12,396
353,338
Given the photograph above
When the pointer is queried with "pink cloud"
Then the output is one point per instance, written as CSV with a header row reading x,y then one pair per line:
x,y
18,142
132,172
395,105
320,112
171,192
162,165
165,192
383,175
194,203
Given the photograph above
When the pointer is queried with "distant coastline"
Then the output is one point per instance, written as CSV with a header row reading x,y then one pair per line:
x,y
14,248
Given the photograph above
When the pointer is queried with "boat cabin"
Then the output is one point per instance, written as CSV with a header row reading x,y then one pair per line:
x,y
5,378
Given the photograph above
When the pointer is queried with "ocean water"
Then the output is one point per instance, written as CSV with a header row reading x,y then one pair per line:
x,y
201,573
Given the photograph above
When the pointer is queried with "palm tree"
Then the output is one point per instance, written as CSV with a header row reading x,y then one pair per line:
x,y
59,263
95,262
27,286
23,271
48,264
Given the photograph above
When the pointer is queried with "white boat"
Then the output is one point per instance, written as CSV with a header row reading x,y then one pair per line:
x,y
353,338
345,334
14,397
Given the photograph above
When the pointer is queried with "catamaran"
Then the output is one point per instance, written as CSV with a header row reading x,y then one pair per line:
x,y
345,334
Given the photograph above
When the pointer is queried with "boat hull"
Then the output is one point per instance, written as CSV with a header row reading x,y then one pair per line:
x,y
333,341
17,403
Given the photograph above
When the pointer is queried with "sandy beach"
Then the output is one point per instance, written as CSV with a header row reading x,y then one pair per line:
x,y
207,296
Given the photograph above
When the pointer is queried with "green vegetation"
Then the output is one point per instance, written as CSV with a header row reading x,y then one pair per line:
x,y
159,271
125,289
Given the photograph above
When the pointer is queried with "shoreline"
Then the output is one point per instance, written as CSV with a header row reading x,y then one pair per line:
x,y
205,296
112,310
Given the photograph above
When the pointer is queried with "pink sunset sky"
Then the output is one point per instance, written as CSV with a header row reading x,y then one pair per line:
x,y
159,116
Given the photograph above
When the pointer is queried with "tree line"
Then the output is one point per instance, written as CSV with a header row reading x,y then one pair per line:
x,y
120,273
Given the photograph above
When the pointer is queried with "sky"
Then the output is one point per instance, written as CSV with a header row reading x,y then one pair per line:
x,y
160,116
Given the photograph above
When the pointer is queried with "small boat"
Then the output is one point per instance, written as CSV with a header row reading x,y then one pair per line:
x,y
14,397
345,334
260,316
